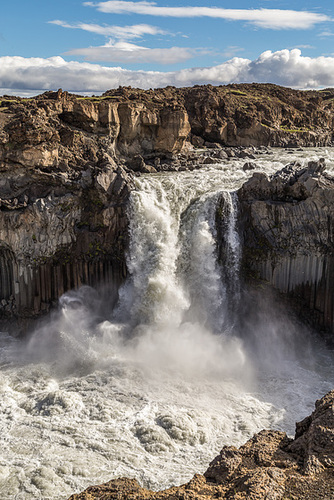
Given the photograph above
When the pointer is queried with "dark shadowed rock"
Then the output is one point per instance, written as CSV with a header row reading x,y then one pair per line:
x,y
137,164
287,225
209,161
249,166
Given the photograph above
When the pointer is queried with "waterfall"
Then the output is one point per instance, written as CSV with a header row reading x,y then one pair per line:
x,y
232,247
175,276
198,263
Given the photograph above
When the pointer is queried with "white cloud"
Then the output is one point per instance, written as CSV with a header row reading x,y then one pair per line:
x,y
306,46
119,32
284,67
130,53
326,33
263,18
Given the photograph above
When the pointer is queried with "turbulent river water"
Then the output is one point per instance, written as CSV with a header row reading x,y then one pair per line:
x,y
155,391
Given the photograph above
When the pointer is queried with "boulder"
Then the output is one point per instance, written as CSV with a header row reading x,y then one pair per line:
x,y
249,166
137,164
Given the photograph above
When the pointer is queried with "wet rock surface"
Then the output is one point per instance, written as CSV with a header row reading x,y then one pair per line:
x,y
270,466
287,224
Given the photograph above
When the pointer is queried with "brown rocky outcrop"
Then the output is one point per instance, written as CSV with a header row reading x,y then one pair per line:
x,y
246,114
287,224
270,466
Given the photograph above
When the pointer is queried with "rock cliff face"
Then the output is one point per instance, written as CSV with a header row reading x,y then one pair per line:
x,y
62,207
270,466
243,115
67,163
64,186
288,235
59,232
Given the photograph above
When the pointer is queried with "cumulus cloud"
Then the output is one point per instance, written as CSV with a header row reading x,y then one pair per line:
x,y
284,67
263,18
130,53
119,32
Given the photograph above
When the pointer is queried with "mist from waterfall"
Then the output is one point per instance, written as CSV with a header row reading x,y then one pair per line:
x,y
187,361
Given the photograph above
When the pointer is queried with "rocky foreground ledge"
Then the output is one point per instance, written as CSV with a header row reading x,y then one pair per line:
x,y
270,466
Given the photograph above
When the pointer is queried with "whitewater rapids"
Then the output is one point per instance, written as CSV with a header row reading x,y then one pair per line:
x,y
156,387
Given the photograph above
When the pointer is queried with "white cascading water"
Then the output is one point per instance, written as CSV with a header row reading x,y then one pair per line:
x,y
155,391
234,246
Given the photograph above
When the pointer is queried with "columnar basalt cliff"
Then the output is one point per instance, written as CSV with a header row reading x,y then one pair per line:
x,y
58,232
268,466
67,165
288,235
62,207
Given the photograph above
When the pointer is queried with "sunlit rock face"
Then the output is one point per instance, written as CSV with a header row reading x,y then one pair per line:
x,y
288,235
64,188
63,221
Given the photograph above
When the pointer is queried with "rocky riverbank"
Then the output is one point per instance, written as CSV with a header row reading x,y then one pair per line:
x,y
269,466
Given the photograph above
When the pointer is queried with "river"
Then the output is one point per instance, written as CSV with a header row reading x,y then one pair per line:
x,y
155,387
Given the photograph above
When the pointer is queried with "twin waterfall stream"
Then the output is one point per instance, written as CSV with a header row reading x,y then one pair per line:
x,y
155,390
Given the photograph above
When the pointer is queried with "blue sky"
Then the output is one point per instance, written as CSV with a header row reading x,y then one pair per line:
x,y
90,46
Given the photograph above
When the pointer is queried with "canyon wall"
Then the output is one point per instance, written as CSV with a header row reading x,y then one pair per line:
x,y
64,186
58,233
68,164
63,202
287,224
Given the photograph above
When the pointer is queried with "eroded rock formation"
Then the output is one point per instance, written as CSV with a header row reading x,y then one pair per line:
x,y
64,185
287,225
270,466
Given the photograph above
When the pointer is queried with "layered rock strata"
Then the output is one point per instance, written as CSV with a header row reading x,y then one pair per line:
x,y
270,466
59,229
245,114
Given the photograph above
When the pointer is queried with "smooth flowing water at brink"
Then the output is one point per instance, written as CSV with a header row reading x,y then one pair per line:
x,y
155,390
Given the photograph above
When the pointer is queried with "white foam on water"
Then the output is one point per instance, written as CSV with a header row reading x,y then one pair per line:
x,y
155,392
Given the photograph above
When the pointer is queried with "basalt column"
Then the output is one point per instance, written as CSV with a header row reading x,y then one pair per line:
x,y
288,236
